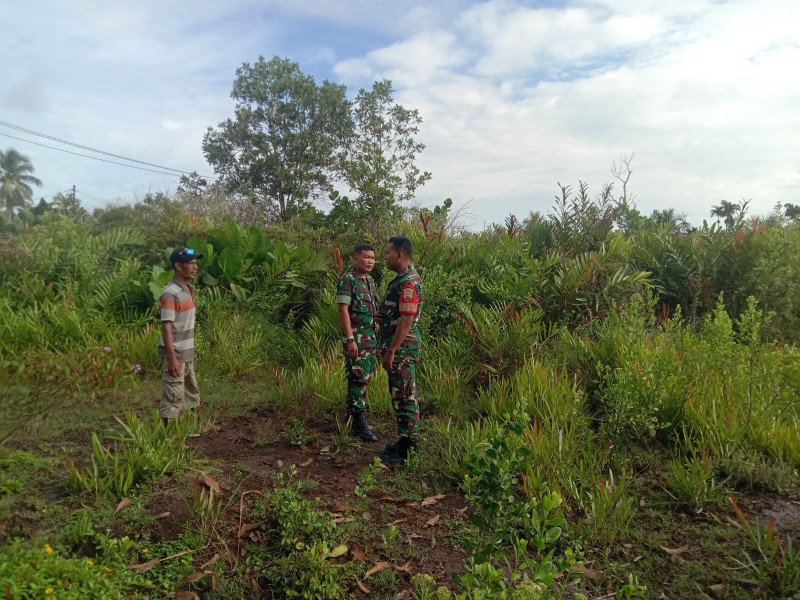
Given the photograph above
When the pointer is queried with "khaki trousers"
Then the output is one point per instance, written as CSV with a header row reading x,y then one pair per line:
x,y
178,393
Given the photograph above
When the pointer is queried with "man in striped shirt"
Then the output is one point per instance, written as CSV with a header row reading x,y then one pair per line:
x,y
179,389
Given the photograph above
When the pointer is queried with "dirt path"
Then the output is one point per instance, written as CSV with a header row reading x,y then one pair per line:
x,y
331,475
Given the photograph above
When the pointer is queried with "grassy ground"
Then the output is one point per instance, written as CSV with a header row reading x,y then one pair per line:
x,y
256,445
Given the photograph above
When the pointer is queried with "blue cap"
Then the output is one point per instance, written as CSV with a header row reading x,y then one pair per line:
x,y
183,255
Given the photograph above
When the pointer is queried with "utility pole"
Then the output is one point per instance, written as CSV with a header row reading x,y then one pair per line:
x,y
73,193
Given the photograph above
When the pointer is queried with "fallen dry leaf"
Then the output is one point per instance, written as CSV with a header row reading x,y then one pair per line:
x,y
342,520
383,466
405,567
386,499
196,576
359,554
432,499
432,521
343,508
433,542
208,426
210,562
163,515
255,588
306,462
186,595
325,450
144,567
122,504
414,536
239,531
675,551
588,573
396,521
376,568
410,503
462,510
717,587
362,587
638,558
404,595
214,581
210,482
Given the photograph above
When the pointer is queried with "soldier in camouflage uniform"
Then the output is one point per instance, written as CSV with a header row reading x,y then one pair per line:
x,y
400,344
357,297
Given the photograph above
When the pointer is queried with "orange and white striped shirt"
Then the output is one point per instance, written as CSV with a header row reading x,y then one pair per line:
x,y
178,306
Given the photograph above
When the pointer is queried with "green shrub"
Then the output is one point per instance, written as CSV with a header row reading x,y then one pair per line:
x,y
144,451
27,572
692,483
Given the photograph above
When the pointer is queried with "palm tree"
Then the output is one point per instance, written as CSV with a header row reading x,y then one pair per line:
x,y
725,211
15,179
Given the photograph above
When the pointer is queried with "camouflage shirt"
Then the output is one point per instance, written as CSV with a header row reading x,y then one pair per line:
x,y
362,297
403,297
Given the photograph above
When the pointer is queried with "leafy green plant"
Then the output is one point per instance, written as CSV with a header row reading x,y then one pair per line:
x,y
609,509
296,434
367,481
424,587
145,450
389,536
27,572
631,590
692,481
81,526
205,507
776,566
296,522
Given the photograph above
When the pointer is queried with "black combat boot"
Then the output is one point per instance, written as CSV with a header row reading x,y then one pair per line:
x,y
360,428
397,453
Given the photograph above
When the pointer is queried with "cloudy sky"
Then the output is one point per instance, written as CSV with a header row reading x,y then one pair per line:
x,y
515,96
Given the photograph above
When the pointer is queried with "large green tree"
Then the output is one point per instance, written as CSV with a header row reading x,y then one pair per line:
x,y
378,162
284,136
16,179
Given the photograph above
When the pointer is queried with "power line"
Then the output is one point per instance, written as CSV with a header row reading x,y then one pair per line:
x,y
91,196
88,156
69,189
55,139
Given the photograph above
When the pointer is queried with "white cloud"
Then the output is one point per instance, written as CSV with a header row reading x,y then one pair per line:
x,y
418,59
514,98
514,39
704,96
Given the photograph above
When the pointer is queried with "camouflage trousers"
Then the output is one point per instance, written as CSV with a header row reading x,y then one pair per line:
x,y
359,372
403,389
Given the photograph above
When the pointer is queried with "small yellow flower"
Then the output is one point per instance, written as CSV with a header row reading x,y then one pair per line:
x,y
108,570
48,591
145,550
47,548
183,561
90,561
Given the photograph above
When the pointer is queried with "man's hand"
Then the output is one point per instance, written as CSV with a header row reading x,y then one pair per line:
x,y
352,350
173,366
388,359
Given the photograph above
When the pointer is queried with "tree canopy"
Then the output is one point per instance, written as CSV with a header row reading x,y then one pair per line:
x,y
284,136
